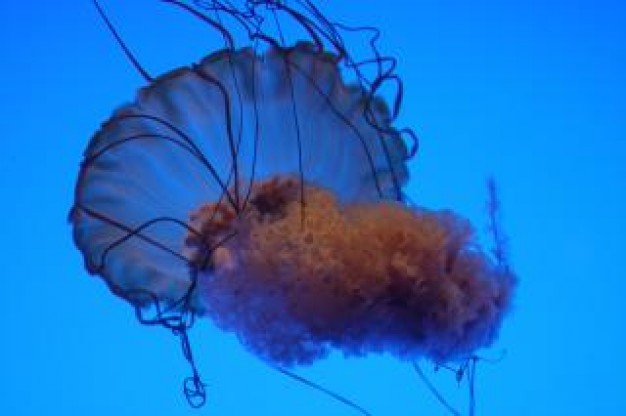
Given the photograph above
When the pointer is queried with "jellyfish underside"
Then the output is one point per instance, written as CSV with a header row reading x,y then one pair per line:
x,y
293,282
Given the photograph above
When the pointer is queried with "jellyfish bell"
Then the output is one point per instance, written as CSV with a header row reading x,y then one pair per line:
x,y
260,189
189,133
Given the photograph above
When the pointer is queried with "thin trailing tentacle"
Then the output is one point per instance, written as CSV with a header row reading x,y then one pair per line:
x,y
434,391
322,389
129,54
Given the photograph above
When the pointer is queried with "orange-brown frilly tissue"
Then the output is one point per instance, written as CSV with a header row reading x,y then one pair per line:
x,y
294,280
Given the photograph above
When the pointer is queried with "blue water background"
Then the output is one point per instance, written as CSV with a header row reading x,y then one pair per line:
x,y
531,92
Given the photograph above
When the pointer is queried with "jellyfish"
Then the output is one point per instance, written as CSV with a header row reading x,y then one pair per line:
x,y
262,188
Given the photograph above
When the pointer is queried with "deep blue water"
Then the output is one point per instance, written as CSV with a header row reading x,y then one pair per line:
x,y
531,92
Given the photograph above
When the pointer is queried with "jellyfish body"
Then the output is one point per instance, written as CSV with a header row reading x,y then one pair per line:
x,y
260,190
